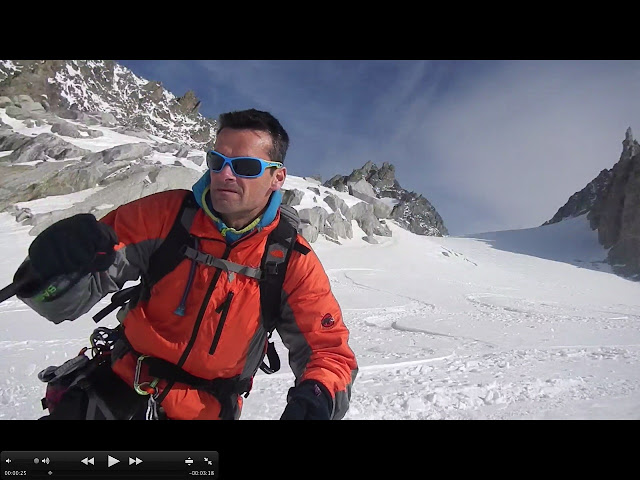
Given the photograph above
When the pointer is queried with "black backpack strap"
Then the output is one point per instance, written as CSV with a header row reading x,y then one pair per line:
x,y
226,390
169,255
165,259
118,300
281,242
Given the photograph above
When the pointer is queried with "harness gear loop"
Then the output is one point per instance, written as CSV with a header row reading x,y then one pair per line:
x,y
144,388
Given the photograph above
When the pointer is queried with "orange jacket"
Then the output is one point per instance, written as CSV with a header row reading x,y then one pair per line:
x,y
220,335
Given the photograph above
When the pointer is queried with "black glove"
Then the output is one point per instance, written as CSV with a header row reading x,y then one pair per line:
x,y
308,401
78,244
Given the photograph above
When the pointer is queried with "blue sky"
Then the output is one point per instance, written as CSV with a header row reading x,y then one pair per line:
x,y
492,144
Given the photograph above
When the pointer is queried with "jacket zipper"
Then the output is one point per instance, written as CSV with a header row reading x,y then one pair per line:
x,y
182,307
223,310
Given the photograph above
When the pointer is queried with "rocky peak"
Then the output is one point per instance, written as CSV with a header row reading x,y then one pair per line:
x,y
107,87
630,147
411,210
383,178
189,104
616,213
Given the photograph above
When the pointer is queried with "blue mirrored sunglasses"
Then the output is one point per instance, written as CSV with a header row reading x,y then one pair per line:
x,y
243,167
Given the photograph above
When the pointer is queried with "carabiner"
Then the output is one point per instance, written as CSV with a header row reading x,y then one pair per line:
x,y
144,388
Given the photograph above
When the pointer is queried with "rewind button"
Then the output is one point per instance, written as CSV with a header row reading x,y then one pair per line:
x,y
88,461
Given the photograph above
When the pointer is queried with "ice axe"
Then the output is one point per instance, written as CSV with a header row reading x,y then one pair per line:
x,y
28,276
10,290
27,279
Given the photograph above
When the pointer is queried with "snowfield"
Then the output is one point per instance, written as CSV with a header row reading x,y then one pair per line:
x,y
443,328
523,324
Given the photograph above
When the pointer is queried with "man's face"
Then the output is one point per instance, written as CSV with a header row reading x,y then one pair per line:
x,y
241,200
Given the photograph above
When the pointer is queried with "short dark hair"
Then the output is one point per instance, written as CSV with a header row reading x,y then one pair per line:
x,y
253,119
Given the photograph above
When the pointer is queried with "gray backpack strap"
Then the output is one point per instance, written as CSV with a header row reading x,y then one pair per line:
x,y
225,265
290,214
281,242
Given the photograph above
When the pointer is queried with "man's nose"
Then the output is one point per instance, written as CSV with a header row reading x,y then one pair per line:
x,y
226,173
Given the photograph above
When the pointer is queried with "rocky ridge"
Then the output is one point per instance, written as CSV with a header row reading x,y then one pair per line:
x,y
379,187
39,165
612,204
73,89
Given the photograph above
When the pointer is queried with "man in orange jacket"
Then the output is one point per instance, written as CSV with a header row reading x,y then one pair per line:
x,y
216,335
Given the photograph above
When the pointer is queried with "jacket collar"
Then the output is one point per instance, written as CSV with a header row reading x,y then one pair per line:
x,y
201,193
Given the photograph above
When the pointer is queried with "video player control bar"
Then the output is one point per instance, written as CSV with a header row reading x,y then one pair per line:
x,y
116,465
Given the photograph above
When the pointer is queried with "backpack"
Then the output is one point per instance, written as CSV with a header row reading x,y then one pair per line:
x,y
180,244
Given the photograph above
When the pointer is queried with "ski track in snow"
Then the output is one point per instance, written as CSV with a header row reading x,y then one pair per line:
x,y
525,310
433,374
440,376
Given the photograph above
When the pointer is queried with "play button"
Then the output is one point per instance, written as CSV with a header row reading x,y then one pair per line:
x,y
112,461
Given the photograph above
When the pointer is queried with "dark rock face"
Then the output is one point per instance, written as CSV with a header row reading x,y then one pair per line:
x,y
416,214
411,210
612,204
616,214
583,201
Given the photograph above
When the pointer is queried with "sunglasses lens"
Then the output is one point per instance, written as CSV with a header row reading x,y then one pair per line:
x,y
248,167
214,162
243,166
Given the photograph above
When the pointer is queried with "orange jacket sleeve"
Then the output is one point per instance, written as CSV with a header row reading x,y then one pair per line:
x,y
313,330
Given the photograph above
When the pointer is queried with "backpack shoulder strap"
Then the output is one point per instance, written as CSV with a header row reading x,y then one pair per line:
x,y
280,243
166,257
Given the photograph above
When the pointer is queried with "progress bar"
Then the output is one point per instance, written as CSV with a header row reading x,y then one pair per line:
x,y
116,465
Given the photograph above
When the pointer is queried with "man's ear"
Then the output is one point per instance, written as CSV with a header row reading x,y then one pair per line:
x,y
279,176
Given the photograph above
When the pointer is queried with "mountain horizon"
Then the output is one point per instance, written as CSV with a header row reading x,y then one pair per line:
x,y
67,98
